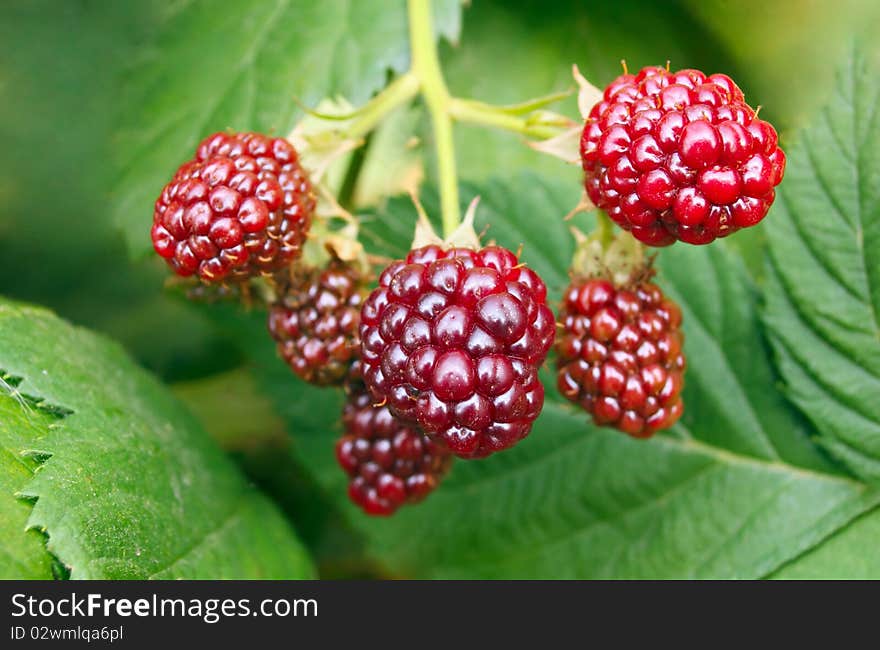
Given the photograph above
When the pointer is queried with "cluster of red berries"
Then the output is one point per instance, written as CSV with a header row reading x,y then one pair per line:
x,y
679,156
620,357
240,208
389,462
452,340
315,323
442,358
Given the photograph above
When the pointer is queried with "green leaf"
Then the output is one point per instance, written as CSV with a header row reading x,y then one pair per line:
x,y
734,491
823,289
130,486
732,400
23,553
847,555
241,66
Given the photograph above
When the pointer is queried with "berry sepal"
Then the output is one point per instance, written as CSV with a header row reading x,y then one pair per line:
x,y
606,254
464,236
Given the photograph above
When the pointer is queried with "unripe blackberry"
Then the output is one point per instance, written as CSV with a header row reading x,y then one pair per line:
x,y
389,463
452,340
315,323
240,208
679,156
619,355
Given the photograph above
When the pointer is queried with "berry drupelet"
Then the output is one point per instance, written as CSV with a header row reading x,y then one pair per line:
x,y
315,323
679,156
240,208
619,355
452,340
389,463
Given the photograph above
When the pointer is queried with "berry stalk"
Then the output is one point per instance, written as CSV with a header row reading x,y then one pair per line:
x,y
465,110
398,92
426,66
604,228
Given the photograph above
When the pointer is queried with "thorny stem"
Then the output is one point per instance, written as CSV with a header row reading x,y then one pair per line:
x,y
426,66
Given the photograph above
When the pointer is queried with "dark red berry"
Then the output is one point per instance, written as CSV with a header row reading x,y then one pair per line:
x,y
619,355
240,208
452,340
315,323
679,156
389,463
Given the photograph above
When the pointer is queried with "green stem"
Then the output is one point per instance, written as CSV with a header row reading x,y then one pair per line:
x,y
397,93
478,113
426,66
604,228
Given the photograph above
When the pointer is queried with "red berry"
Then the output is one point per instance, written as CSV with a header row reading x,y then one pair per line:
x,y
452,340
679,156
240,208
619,355
315,324
388,462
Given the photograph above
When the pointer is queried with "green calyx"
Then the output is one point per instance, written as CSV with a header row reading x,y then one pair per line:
x,y
616,256
463,236
325,246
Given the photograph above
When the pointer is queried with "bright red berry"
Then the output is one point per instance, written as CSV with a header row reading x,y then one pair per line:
x,y
240,208
619,355
679,156
315,323
452,340
389,463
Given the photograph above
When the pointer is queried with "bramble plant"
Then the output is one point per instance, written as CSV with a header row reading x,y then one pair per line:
x,y
654,354
452,339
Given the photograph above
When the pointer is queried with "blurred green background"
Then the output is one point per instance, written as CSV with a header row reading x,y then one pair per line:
x,y
62,63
